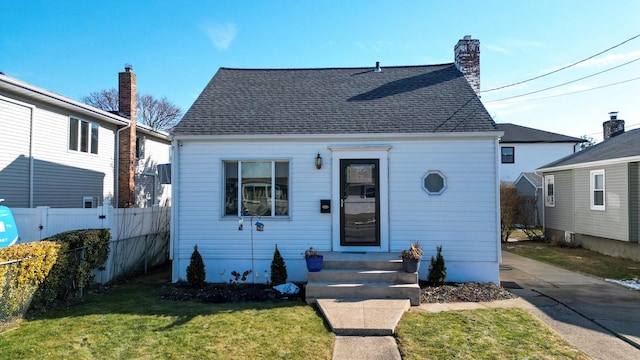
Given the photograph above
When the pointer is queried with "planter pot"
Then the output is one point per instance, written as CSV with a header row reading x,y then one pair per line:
x,y
411,265
314,264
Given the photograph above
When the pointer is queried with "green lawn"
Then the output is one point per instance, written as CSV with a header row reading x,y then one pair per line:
x,y
480,334
577,259
132,322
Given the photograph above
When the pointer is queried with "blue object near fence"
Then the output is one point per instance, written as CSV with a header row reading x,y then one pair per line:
x,y
8,228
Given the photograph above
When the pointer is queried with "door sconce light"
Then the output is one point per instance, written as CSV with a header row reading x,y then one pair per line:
x,y
318,162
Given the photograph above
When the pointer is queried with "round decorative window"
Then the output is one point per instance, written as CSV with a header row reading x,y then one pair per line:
x,y
434,182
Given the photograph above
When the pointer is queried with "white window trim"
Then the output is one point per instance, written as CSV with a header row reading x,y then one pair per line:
x,y
592,189
273,193
79,134
434,172
549,201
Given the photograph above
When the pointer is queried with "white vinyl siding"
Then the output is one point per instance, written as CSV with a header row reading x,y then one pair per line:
x,y
149,190
62,177
14,157
412,213
561,215
612,223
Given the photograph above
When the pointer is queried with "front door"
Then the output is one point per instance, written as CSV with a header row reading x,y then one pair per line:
x,y
359,202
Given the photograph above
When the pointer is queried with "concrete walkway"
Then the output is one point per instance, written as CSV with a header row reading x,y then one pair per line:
x,y
599,318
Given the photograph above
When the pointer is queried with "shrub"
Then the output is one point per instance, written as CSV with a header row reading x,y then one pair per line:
x,y
437,270
195,271
278,269
21,279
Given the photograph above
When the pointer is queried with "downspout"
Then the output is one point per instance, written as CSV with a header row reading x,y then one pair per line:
x,y
174,256
117,165
31,160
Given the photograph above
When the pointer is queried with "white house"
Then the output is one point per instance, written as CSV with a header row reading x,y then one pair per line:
x,y
362,160
523,149
59,152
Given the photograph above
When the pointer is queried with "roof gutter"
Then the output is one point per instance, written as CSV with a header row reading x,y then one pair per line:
x,y
589,164
334,137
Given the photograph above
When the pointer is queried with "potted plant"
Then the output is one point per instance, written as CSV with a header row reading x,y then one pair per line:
x,y
314,260
411,257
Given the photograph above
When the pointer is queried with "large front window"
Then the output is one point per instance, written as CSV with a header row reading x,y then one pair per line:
x,y
256,188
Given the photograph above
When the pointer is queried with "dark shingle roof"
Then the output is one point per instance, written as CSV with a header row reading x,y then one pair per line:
x,y
521,134
624,145
533,178
406,99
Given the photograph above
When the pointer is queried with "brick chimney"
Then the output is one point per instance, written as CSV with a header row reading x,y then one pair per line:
x,y
613,126
467,60
127,153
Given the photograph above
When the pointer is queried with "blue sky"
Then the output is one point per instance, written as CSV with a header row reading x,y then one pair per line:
x,y
175,47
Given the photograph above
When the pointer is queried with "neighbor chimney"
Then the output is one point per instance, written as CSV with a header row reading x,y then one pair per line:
x,y
127,153
467,60
613,126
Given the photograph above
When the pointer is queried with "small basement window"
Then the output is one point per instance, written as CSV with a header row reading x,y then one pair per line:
x,y
434,182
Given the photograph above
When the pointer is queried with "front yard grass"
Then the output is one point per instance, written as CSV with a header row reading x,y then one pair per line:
x,y
576,259
131,322
480,334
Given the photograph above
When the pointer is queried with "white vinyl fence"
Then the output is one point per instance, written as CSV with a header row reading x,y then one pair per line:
x,y
139,236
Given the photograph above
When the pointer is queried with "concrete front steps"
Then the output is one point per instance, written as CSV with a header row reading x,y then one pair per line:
x,y
352,276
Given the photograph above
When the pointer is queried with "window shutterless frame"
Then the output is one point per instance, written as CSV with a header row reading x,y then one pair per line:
x,y
256,187
597,189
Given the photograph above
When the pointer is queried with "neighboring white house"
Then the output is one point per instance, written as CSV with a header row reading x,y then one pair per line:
x,y
592,197
61,153
523,149
341,159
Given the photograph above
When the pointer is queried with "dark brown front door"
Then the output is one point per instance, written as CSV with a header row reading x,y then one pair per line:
x,y
359,202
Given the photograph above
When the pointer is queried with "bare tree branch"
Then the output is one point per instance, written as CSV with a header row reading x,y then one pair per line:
x,y
106,100
159,114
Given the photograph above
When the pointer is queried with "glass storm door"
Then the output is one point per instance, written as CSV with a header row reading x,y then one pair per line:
x,y
359,202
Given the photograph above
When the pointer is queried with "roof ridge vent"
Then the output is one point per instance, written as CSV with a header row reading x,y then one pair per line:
x,y
378,68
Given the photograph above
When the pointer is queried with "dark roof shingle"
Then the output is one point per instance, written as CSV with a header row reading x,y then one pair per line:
x,y
620,146
405,99
521,134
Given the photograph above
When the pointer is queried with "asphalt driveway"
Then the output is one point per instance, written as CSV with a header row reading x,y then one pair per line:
x,y
602,319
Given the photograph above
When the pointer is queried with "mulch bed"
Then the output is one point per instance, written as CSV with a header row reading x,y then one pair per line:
x,y
230,293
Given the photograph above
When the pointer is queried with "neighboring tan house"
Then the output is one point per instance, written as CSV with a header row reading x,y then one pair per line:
x,y
357,160
61,153
523,149
592,197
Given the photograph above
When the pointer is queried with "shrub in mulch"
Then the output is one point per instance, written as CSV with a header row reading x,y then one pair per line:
x,y
463,292
226,293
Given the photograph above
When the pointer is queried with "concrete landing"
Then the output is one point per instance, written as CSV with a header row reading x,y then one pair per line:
x,y
366,348
370,317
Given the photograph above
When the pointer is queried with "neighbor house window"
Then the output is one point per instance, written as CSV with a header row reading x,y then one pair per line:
x,y
508,155
140,143
83,136
549,191
256,188
597,189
